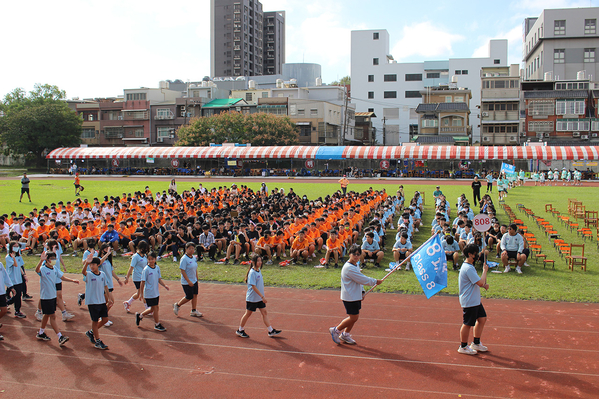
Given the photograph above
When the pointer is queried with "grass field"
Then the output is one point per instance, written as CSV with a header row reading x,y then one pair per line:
x,y
535,283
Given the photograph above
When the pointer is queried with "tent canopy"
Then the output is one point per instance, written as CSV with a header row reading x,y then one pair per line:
x,y
548,153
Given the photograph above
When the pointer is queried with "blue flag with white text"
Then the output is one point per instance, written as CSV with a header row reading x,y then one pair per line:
x,y
430,266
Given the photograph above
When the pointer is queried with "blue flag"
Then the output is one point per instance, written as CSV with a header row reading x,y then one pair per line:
x,y
507,168
430,266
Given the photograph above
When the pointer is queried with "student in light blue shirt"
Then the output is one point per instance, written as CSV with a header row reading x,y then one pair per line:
x,y
188,266
138,262
54,246
96,297
14,261
47,271
474,314
255,299
402,249
371,250
352,281
150,279
5,281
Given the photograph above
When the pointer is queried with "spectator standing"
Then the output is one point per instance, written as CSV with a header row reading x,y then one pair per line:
x,y
476,185
344,183
25,187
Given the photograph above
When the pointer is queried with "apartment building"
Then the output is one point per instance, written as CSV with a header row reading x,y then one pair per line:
x,y
241,43
392,90
561,42
500,105
559,112
444,116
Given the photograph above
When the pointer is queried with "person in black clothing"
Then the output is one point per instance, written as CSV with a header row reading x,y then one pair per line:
x,y
476,185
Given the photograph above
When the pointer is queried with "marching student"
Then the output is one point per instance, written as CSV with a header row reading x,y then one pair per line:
x,y
150,278
351,295
96,297
4,282
138,262
255,298
189,281
48,275
14,261
473,310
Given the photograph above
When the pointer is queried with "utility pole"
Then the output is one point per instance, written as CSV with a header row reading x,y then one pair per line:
x,y
342,140
384,131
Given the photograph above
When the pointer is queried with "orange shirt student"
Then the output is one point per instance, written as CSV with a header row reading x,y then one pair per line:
x,y
300,243
334,244
74,231
64,234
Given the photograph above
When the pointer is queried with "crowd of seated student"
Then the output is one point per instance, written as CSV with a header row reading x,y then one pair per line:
x,y
222,222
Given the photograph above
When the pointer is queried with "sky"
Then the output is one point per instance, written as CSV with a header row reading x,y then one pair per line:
x,y
93,48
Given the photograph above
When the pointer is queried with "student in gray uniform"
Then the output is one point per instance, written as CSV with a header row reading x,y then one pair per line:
x,y
351,295
4,282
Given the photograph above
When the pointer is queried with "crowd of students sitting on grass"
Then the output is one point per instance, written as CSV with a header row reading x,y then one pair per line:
x,y
506,242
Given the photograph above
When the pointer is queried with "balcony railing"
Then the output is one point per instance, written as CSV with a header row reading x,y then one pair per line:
x,y
453,129
170,115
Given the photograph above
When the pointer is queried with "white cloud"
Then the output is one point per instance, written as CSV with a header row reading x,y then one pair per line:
x,y
425,40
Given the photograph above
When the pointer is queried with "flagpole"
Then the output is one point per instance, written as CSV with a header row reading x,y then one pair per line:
x,y
397,267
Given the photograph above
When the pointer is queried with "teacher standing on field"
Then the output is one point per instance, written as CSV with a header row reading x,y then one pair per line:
x,y
344,182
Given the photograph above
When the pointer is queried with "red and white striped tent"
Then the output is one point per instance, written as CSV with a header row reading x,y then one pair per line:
x,y
549,153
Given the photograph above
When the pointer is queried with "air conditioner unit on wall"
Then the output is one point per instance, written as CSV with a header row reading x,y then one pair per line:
x,y
486,138
522,134
513,138
160,139
584,137
594,135
485,113
546,135
576,134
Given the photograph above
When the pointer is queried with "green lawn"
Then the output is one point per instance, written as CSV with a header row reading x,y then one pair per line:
x,y
535,283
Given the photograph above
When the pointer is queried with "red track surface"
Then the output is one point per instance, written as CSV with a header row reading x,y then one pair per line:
x,y
407,347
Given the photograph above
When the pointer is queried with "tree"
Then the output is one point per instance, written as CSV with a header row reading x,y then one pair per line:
x,y
234,127
344,81
37,123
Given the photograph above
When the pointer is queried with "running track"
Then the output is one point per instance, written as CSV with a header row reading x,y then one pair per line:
x,y
407,347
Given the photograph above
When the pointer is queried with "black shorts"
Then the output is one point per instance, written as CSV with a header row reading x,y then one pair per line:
x,y
76,185
137,284
252,306
24,190
190,291
352,307
97,311
402,255
110,289
373,256
152,301
48,306
2,301
124,241
512,254
449,257
472,314
58,286
526,252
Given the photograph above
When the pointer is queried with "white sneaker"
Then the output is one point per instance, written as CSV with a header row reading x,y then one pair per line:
x,y
466,350
269,262
347,338
407,266
174,258
284,255
391,227
176,309
478,348
158,259
67,316
195,313
127,306
335,335
507,269
518,269
526,264
38,315
108,323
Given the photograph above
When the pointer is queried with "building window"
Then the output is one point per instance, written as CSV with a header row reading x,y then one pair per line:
x,y
371,94
375,36
458,72
413,94
139,133
559,56
430,123
164,113
301,112
464,72
496,62
590,26
390,94
458,99
390,78
375,61
248,96
447,99
164,132
433,75
570,107
136,96
559,27
589,55
413,77
371,78
88,133
313,112
370,109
